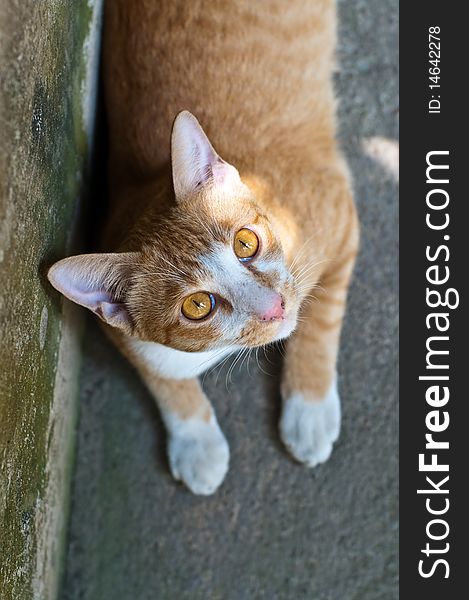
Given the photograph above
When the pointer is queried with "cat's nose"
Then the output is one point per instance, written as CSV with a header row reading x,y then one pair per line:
x,y
276,310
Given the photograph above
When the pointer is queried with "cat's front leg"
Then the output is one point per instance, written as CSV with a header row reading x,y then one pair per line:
x,y
311,414
310,424
198,452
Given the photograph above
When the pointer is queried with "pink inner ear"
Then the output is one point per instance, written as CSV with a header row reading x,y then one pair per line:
x,y
81,280
113,313
223,173
201,159
89,298
194,159
77,286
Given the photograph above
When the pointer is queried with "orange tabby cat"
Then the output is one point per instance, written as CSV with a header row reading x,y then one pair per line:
x,y
206,255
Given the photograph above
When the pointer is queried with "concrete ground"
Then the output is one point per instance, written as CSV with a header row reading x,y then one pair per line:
x,y
275,529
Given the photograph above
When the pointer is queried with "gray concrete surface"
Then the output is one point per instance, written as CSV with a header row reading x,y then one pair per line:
x,y
274,530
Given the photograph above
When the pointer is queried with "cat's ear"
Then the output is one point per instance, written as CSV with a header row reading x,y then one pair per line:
x,y
194,160
97,282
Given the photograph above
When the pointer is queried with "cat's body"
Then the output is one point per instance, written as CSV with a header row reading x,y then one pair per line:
x,y
258,78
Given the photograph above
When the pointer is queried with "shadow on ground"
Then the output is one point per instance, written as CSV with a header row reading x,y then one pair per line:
x,y
275,529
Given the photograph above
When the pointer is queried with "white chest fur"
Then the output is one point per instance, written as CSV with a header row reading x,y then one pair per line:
x,y
175,364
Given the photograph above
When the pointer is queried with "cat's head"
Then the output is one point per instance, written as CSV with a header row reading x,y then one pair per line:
x,y
213,275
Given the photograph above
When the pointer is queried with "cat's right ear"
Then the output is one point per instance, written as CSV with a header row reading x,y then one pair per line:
x,y
97,282
194,160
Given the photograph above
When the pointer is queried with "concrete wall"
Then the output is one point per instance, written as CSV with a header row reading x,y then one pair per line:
x,y
48,65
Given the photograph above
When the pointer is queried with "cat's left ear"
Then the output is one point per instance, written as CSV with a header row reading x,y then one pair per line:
x,y
98,282
194,160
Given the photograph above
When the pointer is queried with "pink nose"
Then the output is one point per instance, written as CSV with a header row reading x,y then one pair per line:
x,y
275,312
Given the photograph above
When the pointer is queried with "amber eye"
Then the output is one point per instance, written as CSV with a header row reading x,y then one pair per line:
x,y
198,305
246,244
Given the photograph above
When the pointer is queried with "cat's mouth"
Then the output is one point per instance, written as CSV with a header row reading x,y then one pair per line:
x,y
275,332
287,327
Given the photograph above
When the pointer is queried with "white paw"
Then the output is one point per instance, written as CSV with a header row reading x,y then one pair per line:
x,y
309,427
198,454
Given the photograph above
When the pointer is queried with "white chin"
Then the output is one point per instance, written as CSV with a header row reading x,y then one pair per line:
x,y
286,328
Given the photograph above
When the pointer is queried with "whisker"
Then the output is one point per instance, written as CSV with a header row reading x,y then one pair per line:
x,y
258,363
173,266
307,269
303,247
220,365
159,274
282,348
245,355
266,356
235,362
209,370
248,361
